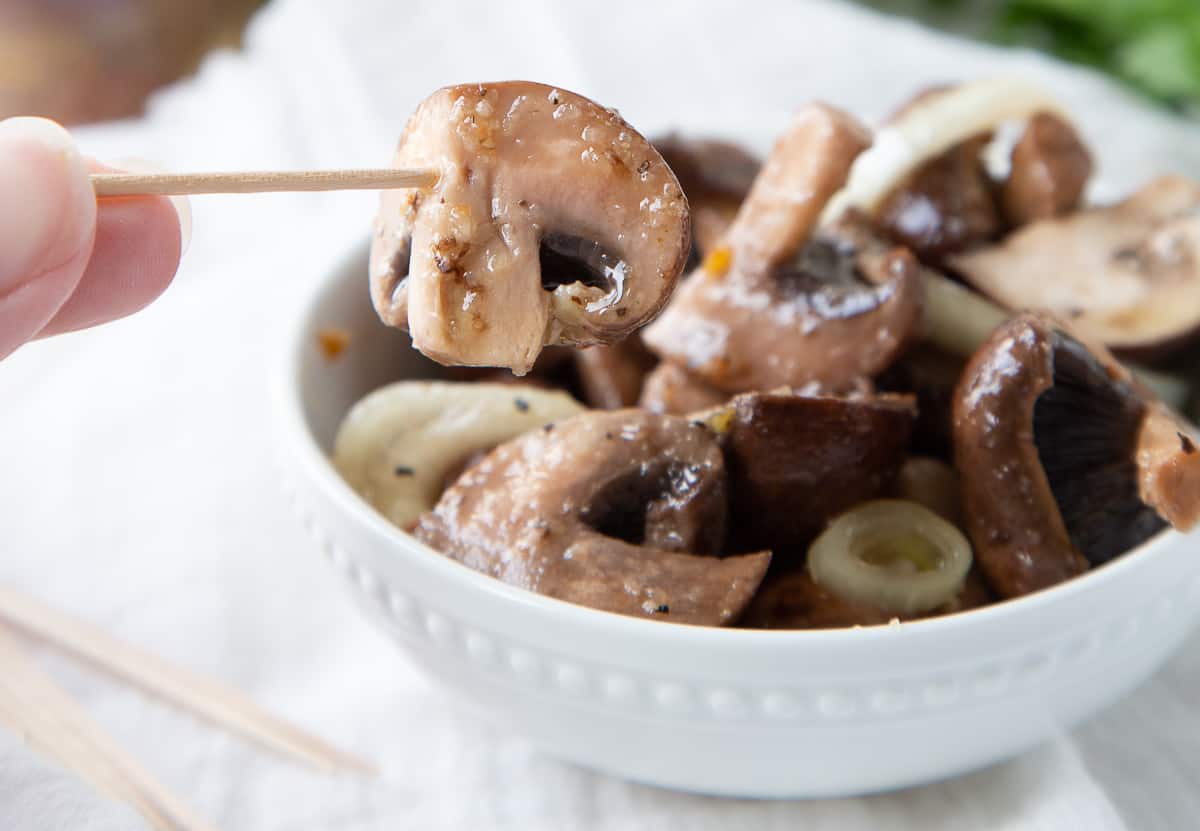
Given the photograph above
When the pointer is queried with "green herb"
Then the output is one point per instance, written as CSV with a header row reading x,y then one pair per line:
x,y
1152,45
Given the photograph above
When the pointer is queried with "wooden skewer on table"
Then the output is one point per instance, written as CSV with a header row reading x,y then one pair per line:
x,y
275,181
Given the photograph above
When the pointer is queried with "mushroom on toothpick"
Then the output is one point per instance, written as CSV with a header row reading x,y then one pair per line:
x,y
517,216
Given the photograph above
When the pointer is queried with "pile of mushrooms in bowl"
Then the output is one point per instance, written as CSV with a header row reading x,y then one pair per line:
x,y
896,461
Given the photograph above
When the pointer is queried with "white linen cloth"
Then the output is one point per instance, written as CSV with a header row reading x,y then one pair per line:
x,y
136,488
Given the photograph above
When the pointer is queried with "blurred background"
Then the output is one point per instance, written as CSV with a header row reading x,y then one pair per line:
x,y
82,61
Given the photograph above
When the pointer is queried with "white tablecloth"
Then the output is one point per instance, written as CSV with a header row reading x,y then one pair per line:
x,y
135,481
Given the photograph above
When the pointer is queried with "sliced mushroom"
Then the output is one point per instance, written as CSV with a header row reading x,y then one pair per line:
x,y
715,176
553,222
1127,275
945,206
671,389
612,376
795,461
1169,467
1064,459
613,510
397,446
776,312
1049,171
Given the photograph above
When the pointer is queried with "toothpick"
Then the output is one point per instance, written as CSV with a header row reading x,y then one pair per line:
x,y
219,704
171,184
48,719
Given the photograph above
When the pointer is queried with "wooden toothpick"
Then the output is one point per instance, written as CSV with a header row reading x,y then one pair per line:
x,y
171,184
203,697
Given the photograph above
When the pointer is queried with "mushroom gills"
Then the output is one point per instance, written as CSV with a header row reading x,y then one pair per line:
x,y
566,259
1090,461
668,504
826,275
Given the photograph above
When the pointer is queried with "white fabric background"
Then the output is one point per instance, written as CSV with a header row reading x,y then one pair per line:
x,y
135,480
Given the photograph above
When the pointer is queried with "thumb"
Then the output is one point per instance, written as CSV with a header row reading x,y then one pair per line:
x,y
47,224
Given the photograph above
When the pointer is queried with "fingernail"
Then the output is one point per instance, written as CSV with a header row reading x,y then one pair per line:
x,y
183,207
47,208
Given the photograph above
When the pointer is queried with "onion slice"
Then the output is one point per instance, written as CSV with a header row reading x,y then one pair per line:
x,y
931,127
895,555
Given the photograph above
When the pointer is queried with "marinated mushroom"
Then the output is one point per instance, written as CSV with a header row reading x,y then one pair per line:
x,y
671,389
795,460
622,511
945,206
1126,275
553,222
929,126
715,177
612,376
948,202
766,310
397,446
1065,460
1048,172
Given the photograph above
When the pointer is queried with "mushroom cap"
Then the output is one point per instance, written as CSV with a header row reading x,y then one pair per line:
x,y
613,510
1050,168
553,222
795,461
397,446
1053,442
1126,275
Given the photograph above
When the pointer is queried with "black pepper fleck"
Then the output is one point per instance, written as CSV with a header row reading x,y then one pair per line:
x,y
521,404
608,436
663,609
547,427
404,470
1185,441
644,166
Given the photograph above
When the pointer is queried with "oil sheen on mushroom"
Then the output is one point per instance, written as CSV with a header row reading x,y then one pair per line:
x,y
1126,275
619,511
795,461
553,222
1052,443
767,311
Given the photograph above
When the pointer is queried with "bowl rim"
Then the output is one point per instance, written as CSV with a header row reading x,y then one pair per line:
x,y
295,437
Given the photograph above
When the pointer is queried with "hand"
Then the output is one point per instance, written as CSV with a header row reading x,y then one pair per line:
x,y
67,262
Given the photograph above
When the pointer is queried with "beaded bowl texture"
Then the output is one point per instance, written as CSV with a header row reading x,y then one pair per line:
x,y
719,711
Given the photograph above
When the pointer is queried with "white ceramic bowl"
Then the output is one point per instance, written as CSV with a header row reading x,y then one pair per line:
x,y
719,711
